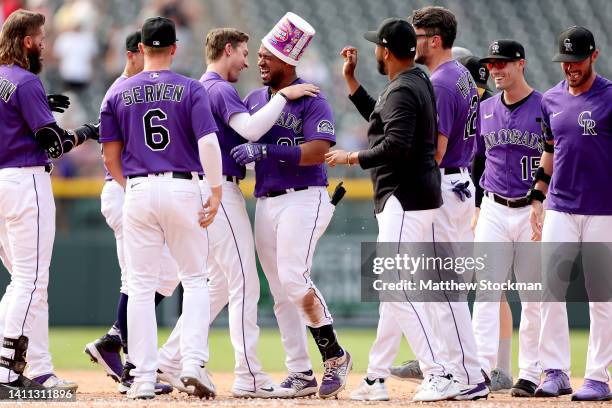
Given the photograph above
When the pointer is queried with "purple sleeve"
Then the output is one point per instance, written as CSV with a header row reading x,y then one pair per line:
x,y
546,120
319,121
34,106
109,128
202,120
445,105
225,101
479,145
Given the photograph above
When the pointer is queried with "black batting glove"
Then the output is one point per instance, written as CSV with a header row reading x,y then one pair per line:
x,y
58,102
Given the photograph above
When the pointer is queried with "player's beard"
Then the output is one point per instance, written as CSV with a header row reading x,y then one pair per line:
x,y
382,70
421,55
582,77
35,61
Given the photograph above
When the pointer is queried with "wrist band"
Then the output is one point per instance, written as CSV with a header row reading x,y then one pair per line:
x,y
348,158
283,95
537,195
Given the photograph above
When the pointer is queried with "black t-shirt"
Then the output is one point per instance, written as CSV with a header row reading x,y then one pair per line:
x,y
401,141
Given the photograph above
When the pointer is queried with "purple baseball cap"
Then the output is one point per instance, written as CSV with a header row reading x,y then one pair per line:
x,y
289,38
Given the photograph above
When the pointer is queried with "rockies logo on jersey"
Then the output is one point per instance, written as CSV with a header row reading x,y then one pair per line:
x,y
588,124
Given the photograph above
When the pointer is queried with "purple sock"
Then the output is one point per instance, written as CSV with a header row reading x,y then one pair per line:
x,y
122,320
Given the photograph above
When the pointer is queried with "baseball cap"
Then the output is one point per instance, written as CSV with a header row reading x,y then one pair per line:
x,y
575,44
505,50
479,72
396,34
158,32
132,40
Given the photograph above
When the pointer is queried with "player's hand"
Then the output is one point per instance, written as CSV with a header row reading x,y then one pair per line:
x,y
349,53
211,206
536,219
336,157
475,220
249,152
58,103
297,91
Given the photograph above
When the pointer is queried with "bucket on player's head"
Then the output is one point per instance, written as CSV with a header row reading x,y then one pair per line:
x,y
289,38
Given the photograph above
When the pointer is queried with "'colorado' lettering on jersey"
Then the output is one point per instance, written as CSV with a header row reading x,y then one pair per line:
x,y
302,120
23,110
511,141
581,127
457,106
162,134
225,102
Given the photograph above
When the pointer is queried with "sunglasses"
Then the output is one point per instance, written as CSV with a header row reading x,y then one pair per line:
x,y
497,65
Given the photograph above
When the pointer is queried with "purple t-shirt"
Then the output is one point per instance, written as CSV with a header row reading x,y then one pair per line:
x,y
159,116
23,110
457,106
301,120
224,102
510,140
107,175
581,127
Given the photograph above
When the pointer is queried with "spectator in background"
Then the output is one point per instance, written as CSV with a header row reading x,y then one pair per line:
x,y
76,49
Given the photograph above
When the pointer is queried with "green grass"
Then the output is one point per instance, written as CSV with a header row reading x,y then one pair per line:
x,y
67,345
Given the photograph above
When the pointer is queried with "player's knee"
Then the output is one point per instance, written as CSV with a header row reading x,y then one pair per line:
x,y
312,307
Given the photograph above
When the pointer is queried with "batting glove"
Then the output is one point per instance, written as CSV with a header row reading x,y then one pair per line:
x,y
58,103
249,152
462,191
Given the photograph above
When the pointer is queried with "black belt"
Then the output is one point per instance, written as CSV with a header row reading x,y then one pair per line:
x,y
232,179
48,167
281,192
452,170
516,203
183,175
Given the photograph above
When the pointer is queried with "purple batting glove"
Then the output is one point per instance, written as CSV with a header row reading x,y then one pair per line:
x,y
249,152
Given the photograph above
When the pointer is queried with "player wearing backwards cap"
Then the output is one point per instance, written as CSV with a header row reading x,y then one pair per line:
x,y
407,194
106,350
231,263
577,115
294,209
507,155
158,133
27,210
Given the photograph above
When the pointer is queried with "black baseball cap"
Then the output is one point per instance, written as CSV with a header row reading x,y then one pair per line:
x,y
479,71
504,50
132,40
575,44
158,32
397,35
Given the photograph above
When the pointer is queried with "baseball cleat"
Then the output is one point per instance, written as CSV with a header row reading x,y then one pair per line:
x,y
141,390
500,381
593,390
127,379
303,385
436,388
377,391
555,384
523,388
105,351
174,381
198,378
407,371
336,372
53,382
270,390
468,392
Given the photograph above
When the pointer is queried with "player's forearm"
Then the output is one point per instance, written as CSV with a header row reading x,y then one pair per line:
x,y
313,152
351,83
363,102
112,161
441,148
253,127
210,158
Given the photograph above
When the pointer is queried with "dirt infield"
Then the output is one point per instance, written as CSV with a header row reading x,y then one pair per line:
x,y
96,390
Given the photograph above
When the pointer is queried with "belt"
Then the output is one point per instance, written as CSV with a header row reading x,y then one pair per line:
x,y
183,175
48,168
232,179
451,170
281,192
517,203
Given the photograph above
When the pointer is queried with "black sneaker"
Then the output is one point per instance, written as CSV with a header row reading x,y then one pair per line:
x,y
523,388
21,383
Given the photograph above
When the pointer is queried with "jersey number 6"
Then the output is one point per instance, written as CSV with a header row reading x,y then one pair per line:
x,y
157,137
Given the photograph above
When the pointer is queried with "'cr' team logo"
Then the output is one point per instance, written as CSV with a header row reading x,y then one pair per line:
x,y
482,71
495,48
588,124
568,45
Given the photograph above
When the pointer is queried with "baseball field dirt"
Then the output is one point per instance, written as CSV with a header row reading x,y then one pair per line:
x,y
96,390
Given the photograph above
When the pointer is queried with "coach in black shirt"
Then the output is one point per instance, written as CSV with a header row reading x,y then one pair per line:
x,y
403,122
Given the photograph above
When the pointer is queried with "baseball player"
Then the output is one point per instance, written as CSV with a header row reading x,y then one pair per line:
x,y
406,179
294,209
106,350
231,263
577,115
27,210
507,156
158,133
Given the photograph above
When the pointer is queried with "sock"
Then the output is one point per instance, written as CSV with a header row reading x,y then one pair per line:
x,y
503,355
122,320
114,330
158,298
326,340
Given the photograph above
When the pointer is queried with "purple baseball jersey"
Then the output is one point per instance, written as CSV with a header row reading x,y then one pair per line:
x,y
23,110
224,102
457,106
511,142
159,116
302,120
581,128
107,175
